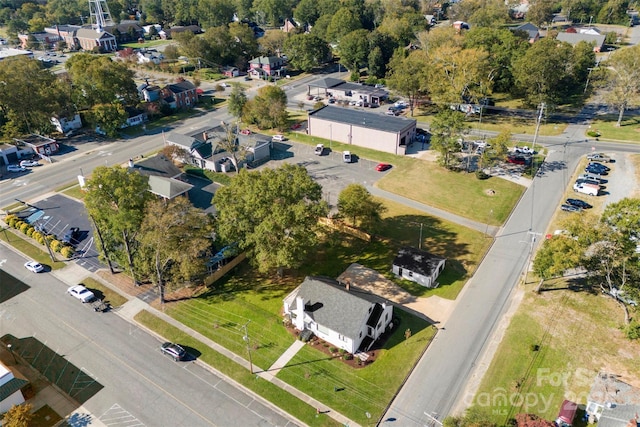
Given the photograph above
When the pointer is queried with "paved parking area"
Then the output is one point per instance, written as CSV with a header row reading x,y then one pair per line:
x,y
328,170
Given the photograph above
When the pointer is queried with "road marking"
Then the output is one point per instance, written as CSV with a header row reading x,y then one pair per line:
x,y
117,415
2,261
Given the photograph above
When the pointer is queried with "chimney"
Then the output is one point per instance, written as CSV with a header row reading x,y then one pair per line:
x,y
204,136
131,163
347,285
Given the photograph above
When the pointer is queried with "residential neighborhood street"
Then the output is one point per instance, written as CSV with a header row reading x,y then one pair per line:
x,y
186,391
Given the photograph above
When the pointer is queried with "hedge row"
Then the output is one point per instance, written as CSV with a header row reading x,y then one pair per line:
x,y
56,245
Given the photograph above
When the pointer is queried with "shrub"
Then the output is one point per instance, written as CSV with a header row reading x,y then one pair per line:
x,y
10,219
37,236
67,251
24,227
56,245
481,175
333,349
633,330
30,231
18,224
348,356
593,133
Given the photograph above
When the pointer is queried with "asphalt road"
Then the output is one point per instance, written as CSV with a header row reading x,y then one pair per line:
x,y
144,386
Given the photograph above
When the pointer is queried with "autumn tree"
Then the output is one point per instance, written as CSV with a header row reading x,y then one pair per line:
x,y
18,416
457,74
229,143
358,205
623,80
268,109
175,238
446,129
272,42
407,75
115,201
273,214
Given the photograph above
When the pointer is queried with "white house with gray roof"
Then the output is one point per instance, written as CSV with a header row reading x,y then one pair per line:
x,y
349,319
358,127
418,266
612,402
596,40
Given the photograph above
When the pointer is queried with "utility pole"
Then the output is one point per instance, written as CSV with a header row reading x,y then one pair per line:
x,y
420,241
534,172
246,339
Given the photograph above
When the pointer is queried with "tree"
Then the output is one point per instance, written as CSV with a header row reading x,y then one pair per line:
x,y
403,29
214,13
273,10
175,238
499,147
623,79
541,12
18,416
321,28
306,51
407,75
29,97
229,143
551,61
354,49
109,117
273,214
115,200
306,12
100,80
272,42
237,100
268,109
458,74
342,23
375,63
604,248
359,206
445,129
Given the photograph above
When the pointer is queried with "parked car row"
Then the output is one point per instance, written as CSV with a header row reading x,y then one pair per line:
x,y
590,182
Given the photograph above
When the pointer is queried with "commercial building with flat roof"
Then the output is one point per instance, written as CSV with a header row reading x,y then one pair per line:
x,y
362,128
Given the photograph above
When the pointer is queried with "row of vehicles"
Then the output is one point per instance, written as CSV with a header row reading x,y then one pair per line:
x,y
591,181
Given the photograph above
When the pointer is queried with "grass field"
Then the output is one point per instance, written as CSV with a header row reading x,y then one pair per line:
x,y
103,292
446,190
578,335
629,130
31,250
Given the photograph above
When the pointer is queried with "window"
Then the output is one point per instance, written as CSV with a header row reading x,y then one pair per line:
x,y
410,274
341,338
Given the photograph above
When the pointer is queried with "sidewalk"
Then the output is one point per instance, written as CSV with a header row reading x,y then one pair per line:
x,y
74,274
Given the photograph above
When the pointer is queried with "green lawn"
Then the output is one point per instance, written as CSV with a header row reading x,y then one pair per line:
x,y
457,192
33,250
355,392
462,247
74,191
628,131
578,334
103,292
268,391
146,44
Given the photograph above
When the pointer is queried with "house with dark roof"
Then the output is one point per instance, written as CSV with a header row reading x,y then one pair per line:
x,y
597,40
348,319
613,402
533,32
418,266
163,176
126,31
195,29
10,389
266,66
341,90
362,128
180,95
149,93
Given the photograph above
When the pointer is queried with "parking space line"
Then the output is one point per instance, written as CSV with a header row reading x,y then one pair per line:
x,y
118,416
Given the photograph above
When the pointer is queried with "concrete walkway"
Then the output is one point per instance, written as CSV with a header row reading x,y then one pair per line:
x,y
74,274
457,219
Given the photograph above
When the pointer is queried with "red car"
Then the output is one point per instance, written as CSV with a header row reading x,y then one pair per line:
x,y
518,160
383,167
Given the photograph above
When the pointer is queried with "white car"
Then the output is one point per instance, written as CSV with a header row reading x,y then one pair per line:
x,y
523,150
80,292
319,150
401,104
15,168
278,138
33,266
346,157
29,163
